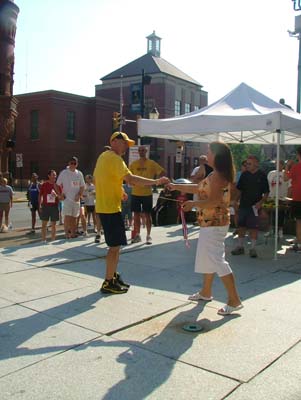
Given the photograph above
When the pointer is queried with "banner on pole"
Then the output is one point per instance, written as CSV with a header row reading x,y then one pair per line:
x,y
136,97
19,160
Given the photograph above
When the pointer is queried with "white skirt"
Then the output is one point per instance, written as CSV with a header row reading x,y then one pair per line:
x,y
210,253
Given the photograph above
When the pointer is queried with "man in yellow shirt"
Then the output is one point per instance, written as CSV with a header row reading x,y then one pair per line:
x,y
109,173
142,198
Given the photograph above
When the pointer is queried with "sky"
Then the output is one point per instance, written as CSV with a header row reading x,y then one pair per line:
x,y
68,45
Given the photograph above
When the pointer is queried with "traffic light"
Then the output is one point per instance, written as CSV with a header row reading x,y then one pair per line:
x,y
116,120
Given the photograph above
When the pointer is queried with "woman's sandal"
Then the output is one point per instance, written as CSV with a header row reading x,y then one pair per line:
x,y
227,310
198,296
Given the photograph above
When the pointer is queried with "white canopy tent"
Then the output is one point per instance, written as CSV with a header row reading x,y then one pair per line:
x,y
244,115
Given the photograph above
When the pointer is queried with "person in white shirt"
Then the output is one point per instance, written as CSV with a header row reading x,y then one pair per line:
x,y
72,183
201,171
6,203
89,200
283,190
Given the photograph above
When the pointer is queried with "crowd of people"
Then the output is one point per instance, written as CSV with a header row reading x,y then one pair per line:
x,y
116,198
68,199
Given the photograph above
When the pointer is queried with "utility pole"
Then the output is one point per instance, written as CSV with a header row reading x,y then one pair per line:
x,y
297,34
142,95
299,73
121,121
145,80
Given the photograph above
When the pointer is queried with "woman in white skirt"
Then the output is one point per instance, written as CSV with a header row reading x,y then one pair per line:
x,y
214,219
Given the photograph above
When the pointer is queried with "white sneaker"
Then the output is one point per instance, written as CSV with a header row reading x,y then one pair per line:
x,y
148,239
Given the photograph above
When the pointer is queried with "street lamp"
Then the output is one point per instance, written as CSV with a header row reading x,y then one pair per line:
x,y
154,114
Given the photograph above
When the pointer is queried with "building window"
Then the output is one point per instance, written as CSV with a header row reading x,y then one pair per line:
x,y
187,108
34,124
196,108
177,108
158,46
71,125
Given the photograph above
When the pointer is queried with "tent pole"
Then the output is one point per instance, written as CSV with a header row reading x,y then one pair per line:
x,y
277,194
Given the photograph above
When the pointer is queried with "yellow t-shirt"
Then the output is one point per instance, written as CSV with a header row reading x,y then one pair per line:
x,y
109,172
147,169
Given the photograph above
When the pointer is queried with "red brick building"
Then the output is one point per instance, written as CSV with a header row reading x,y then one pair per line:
x,y
53,125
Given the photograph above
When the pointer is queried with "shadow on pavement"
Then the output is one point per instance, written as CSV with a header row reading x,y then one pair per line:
x,y
15,332
170,266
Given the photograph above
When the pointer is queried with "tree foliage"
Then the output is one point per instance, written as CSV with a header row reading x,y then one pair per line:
x,y
241,151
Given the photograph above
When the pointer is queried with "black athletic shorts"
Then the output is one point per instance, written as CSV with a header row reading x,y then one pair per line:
x,y
49,213
296,209
90,209
114,230
247,218
142,203
34,207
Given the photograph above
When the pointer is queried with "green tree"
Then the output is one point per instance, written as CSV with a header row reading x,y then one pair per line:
x,y
241,151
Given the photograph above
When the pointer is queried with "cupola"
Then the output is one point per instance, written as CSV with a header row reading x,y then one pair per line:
x,y
154,44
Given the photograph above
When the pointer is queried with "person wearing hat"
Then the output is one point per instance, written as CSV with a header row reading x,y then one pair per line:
x,y
72,184
109,173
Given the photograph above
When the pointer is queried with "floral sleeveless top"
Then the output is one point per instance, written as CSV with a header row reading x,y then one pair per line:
x,y
215,216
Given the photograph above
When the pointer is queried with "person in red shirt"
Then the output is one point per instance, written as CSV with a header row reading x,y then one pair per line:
x,y
293,172
49,196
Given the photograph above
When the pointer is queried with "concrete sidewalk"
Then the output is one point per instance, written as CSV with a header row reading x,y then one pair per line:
x,y
62,339
20,197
